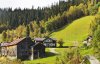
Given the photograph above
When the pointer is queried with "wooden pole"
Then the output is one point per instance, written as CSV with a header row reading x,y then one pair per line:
x,y
38,53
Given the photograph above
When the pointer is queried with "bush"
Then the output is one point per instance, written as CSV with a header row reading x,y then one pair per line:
x,y
8,61
70,56
95,29
60,42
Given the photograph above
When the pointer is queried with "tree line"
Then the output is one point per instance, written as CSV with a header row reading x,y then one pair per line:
x,y
13,18
10,19
21,23
67,17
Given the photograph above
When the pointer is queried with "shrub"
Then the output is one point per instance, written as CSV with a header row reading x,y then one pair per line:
x,y
70,56
60,42
8,61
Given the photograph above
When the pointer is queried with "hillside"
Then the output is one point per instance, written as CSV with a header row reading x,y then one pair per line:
x,y
76,31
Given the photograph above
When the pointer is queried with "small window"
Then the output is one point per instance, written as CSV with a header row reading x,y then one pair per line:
x,y
51,44
48,40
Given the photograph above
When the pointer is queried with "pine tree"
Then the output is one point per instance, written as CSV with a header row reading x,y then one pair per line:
x,y
27,31
4,36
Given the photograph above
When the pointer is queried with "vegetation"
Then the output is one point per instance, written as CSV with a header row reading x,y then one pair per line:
x,y
95,9
4,60
78,30
44,28
10,19
67,17
4,36
27,31
47,60
62,21
65,53
95,28
70,56
60,42
42,21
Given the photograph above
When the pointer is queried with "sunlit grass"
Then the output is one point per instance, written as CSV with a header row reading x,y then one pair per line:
x,y
48,60
76,31
89,51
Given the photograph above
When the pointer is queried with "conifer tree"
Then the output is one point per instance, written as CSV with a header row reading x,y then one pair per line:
x,y
27,31
4,36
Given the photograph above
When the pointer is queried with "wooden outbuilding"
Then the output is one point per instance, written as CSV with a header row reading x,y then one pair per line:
x,y
48,42
22,48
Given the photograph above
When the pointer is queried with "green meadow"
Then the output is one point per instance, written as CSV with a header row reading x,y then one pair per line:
x,y
49,60
78,30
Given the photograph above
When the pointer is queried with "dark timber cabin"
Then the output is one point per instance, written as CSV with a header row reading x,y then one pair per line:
x,y
23,48
48,42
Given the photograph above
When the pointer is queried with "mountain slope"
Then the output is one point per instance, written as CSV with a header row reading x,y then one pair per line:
x,y
76,31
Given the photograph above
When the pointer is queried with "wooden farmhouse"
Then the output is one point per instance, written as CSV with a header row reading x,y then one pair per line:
x,y
22,48
48,42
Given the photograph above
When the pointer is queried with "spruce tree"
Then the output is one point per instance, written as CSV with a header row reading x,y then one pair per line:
x,y
27,31
4,36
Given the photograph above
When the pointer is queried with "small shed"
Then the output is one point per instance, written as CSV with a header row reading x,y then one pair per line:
x,y
38,51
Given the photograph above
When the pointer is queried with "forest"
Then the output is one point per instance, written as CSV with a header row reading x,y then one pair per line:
x,y
41,22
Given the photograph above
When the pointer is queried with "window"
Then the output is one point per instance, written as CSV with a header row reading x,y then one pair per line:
x,y
51,44
48,40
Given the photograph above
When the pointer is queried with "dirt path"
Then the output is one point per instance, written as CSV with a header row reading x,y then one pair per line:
x,y
93,60
53,50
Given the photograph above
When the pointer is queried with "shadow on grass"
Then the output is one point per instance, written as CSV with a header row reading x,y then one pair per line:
x,y
49,54
62,47
65,46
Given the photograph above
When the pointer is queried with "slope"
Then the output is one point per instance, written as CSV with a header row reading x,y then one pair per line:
x,y
78,30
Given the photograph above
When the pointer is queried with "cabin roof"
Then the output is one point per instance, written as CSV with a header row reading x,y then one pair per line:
x,y
36,44
42,39
4,44
39,39
12,43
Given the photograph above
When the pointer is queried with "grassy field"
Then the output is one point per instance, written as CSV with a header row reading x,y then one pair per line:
x,y
49,60
89,51
76,31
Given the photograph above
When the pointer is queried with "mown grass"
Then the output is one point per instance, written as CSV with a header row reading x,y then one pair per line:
x,y
76,31
88,51
47,60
